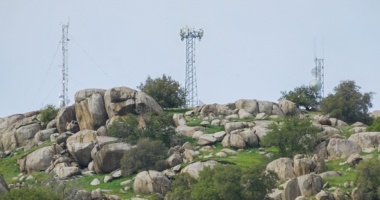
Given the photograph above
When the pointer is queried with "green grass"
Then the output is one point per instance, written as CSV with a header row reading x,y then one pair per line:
x,y
9,167
338,182
173,111
213,129
346,131
193,121
244,159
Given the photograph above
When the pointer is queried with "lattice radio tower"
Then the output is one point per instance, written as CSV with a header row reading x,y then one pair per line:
x,y
318,83
65,69
190,34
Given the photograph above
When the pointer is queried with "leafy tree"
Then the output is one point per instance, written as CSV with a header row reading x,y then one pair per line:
x,y
205,188
294,136
257,182
156,127
181,187
348,104
375,127
143,157
230,182
166,91
302,96
368,179
48,113
41,193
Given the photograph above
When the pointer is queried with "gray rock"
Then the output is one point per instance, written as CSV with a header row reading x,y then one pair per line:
x,y
3,185
291,189
197,135
65,115
310,184
330,174
233,141
250,106
366,139
80,146
149,182
125,183
219,135
283,167
243,114
108,158
288,108
107,179
95,182
65,172
249,137
206,139
194,168
341,148
179,119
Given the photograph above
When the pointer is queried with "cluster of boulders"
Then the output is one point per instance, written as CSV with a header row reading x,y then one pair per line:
x,y
79,132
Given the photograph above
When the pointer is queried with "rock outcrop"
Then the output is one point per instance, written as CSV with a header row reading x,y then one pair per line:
x,y
283,167
108,158
80,145
120,101
342,148
36,161
366,139
194,168
309,184
65,115
150,182
90,108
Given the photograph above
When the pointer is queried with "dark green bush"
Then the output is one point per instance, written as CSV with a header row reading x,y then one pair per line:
x,y
294,136
303,96
48,113
143,157
368,179
43,193
157,127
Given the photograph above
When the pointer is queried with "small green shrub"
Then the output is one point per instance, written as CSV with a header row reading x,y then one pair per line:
x,y
375,127
48,113
42,193
157,127
368,178
143,157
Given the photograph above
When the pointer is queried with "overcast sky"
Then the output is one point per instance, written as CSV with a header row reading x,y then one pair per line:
x,y
250,49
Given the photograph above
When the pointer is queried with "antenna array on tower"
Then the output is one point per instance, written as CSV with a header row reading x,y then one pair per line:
x,y
65,69
190,34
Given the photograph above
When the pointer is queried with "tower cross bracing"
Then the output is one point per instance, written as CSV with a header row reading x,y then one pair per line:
x,y
190,34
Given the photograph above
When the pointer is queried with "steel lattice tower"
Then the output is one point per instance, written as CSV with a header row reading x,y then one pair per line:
x,y
65,69
191,79
320,75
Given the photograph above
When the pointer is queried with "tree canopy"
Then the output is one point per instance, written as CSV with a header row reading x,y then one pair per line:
x,y
348,104
294,136
303,96
224,183
166,91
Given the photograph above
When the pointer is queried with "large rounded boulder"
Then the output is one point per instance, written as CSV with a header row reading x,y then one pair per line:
x,y
80,146
342,148
65,115
90,110
283,167
120,101
36,161
108,158
150,182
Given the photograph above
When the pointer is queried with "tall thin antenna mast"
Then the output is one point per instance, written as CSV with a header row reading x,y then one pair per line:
x,y
191,79
65,69
318,72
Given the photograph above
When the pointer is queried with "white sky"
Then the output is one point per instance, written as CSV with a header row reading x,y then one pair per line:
x,y
250,49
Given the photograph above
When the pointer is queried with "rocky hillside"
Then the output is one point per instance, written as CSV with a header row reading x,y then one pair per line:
x,y
75,147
